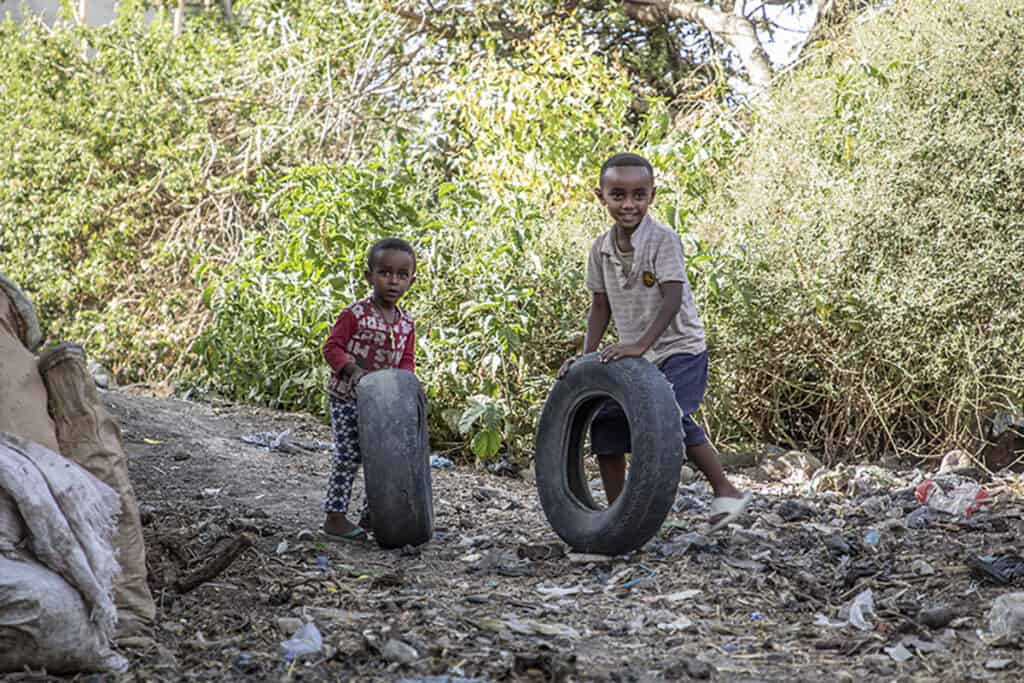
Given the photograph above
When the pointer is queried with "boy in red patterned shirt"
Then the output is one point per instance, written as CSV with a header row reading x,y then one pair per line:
x,y
369,335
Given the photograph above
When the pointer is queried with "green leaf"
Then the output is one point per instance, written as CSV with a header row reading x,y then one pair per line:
x,y
486,443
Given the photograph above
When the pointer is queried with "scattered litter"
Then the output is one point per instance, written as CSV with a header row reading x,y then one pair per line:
x,y
998,664
557,592
536,552
872,537
442,679
918,518
305,641
680,545
588,558
922,568
679,623
964,500
936,617
245,663
440,462
284,442
899,653
681,596
282,548
1006,620
856,614
998,569
399,651
794,511
533,627
923,646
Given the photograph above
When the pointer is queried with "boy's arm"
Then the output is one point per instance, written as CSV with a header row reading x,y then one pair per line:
x,y
408,361
671,300
597,325
597,321
334,349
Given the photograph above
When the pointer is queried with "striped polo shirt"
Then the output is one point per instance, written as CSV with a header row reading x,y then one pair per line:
x,y
633,292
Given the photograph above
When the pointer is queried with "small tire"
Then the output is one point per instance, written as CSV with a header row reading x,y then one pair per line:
x,y
657,455
396,457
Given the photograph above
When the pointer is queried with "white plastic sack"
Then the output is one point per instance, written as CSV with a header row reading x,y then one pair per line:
x,y
56,606
44,624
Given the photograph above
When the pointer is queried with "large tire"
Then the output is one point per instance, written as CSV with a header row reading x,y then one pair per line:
x,y
396,457
657,452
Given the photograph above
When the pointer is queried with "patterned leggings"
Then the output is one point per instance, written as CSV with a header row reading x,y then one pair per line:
x,y
346,459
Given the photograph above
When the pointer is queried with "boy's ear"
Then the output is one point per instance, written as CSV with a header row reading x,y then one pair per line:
x,y
599,194
368,276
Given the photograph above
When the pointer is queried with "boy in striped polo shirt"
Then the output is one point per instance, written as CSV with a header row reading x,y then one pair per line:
x,y
636,274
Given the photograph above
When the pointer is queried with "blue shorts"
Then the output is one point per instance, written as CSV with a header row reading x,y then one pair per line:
x,y
688,375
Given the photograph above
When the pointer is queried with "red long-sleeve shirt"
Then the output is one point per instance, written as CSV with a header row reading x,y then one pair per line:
x,y
362,335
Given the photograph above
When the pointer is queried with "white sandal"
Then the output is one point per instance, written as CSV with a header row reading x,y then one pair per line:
x,y
731,508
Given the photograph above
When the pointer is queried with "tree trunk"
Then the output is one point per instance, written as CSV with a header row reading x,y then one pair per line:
x,y
179,18
229,14
732,28
83,11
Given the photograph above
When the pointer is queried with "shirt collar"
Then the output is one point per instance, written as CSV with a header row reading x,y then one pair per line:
x,y
639,238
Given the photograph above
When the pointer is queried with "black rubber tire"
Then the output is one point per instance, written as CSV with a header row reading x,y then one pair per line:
x,y
396,457
657,455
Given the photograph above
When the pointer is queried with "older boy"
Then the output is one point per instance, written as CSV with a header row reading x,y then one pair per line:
x,y
637,275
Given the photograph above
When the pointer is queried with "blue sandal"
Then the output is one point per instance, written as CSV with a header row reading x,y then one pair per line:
x,y
357,535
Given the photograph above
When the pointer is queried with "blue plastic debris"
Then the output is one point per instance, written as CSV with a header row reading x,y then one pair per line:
x,y
440,462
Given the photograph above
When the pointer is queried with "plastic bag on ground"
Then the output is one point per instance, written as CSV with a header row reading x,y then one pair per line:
x,y
305,641
1006,620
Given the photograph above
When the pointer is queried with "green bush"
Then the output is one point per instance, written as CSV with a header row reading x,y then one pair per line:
x,y
872,241
129,158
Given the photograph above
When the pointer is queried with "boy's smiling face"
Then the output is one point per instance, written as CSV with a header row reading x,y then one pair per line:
x,y
626,191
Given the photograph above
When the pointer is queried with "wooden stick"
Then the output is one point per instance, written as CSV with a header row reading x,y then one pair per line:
x,y
211,569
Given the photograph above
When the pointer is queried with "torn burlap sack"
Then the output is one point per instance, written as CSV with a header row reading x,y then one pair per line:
x,y
22,393
89,436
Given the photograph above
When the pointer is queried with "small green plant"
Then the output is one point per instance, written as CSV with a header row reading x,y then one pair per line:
x,y
484,421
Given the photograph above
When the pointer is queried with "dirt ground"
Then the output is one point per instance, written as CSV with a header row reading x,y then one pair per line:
x,y
497,597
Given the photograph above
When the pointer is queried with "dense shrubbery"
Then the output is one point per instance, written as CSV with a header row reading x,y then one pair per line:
x,y
876,302
199,209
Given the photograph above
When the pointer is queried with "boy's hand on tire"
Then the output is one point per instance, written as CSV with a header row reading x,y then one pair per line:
x,y
351,376
564,370
620,351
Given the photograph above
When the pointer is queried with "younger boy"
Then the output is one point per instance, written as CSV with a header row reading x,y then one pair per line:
x,y
369,335
637,275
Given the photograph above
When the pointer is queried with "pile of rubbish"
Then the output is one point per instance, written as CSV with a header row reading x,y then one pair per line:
x,y
72,556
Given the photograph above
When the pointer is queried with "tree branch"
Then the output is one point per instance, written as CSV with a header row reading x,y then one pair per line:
x,y
734,30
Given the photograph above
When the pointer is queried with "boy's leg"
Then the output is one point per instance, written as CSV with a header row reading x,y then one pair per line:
x,y
613,474
344,466
688,375
705,458
610,440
